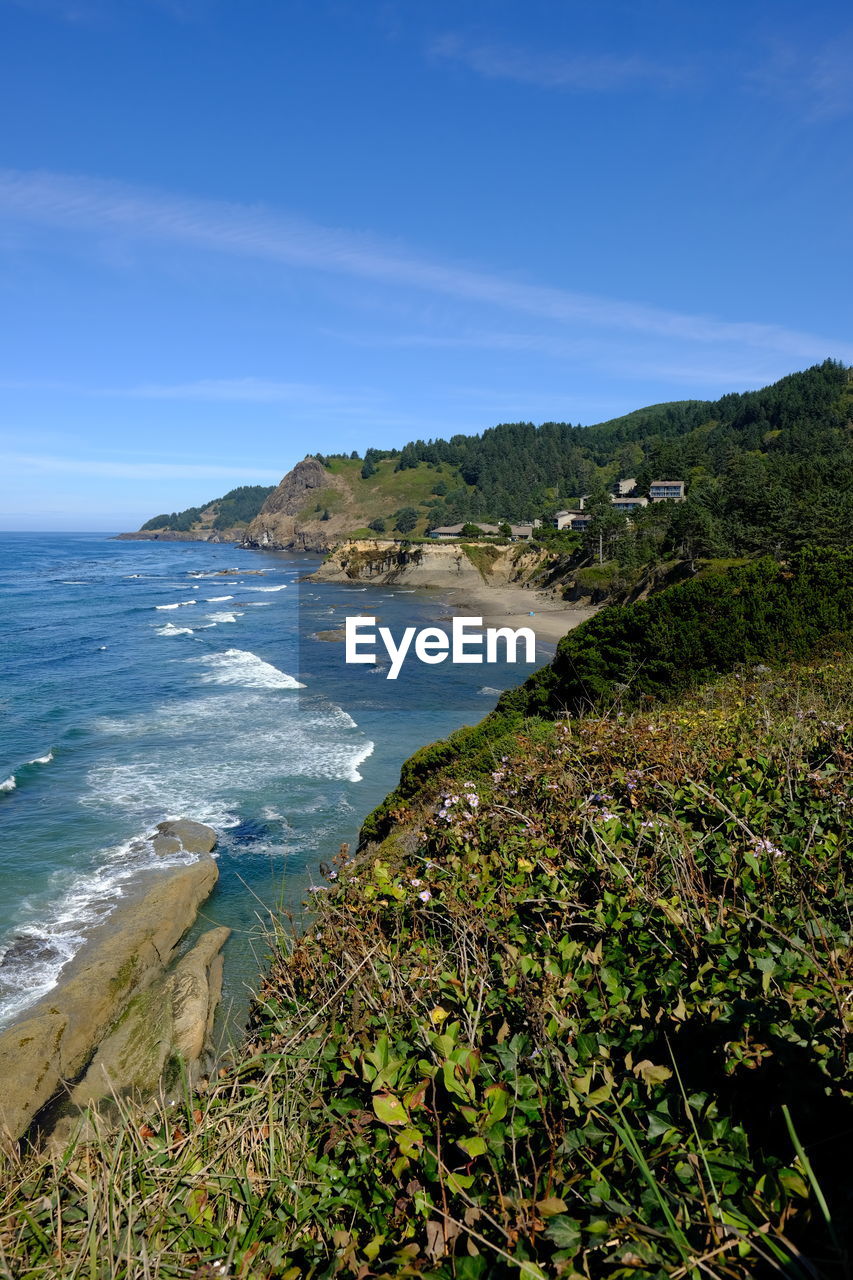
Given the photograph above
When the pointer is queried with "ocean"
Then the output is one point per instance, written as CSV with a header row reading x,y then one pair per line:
x,y
148,680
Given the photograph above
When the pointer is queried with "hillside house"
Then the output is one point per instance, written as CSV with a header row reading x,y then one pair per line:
x,y
518,532
667,490
623,488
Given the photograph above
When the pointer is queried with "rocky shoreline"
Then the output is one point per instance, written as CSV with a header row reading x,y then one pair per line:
x,y
129,1009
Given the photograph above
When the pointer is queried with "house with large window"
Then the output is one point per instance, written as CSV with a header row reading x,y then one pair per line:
x,y
629,504
667,490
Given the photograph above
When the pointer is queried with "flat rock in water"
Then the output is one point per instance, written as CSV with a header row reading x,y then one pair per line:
x,y
126,954
195,837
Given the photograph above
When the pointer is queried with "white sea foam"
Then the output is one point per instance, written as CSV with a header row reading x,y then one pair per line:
x,y
223,617
239,666
218,749
282,587
42,759
75,583
217,599
180,605
9,783
46,944
171,630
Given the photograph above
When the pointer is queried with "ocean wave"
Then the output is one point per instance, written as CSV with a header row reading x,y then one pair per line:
x,y
282,587
489,692
171,630
46,759
223,617
239,666
359,759
217,751
9,784
180,605
217,599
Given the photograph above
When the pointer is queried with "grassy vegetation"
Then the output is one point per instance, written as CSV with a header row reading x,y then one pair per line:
x,y
385,492
657,649
585,1015
482,557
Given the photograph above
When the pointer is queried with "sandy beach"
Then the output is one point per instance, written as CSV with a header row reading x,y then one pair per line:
x,y
512,605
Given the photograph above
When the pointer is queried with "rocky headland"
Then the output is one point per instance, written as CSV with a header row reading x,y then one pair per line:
x,y
129,1006
289,521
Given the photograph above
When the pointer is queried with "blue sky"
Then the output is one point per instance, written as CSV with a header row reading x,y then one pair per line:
x,y
236,231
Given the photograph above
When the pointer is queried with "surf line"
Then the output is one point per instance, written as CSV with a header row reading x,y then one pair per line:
x,y
433,645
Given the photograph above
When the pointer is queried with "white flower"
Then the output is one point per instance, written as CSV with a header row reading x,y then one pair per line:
x,y
425,895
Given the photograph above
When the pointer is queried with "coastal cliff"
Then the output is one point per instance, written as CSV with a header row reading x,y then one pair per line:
x,y
433,564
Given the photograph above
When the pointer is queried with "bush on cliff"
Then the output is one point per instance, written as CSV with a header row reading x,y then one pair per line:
x,y
589,1018
657,649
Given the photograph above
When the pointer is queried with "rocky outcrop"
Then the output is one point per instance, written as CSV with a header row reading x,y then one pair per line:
x,y
168,1022
288,519
126,1003
441,564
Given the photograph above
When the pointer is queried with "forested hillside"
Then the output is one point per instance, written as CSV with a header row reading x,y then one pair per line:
x,y
766,472
236,507
765,469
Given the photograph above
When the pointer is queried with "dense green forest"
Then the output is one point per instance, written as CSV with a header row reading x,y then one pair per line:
x,y
238,506
766,470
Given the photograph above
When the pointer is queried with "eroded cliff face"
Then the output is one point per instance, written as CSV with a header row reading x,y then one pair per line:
x,y
427,564
290,519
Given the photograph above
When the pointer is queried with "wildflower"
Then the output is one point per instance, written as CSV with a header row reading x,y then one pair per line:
x,y
318,888
763,845
473,799
425,895
415,883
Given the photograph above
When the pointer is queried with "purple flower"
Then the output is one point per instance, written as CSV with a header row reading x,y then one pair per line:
x,y
425,895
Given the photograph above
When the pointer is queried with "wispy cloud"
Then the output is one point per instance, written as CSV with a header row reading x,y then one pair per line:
x,y
581,72
593,352
102,207
817,80
244,391
128,470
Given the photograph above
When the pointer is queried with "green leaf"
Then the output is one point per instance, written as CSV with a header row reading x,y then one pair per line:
x,y
410,1142
565,1232
389,1109
475,1146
